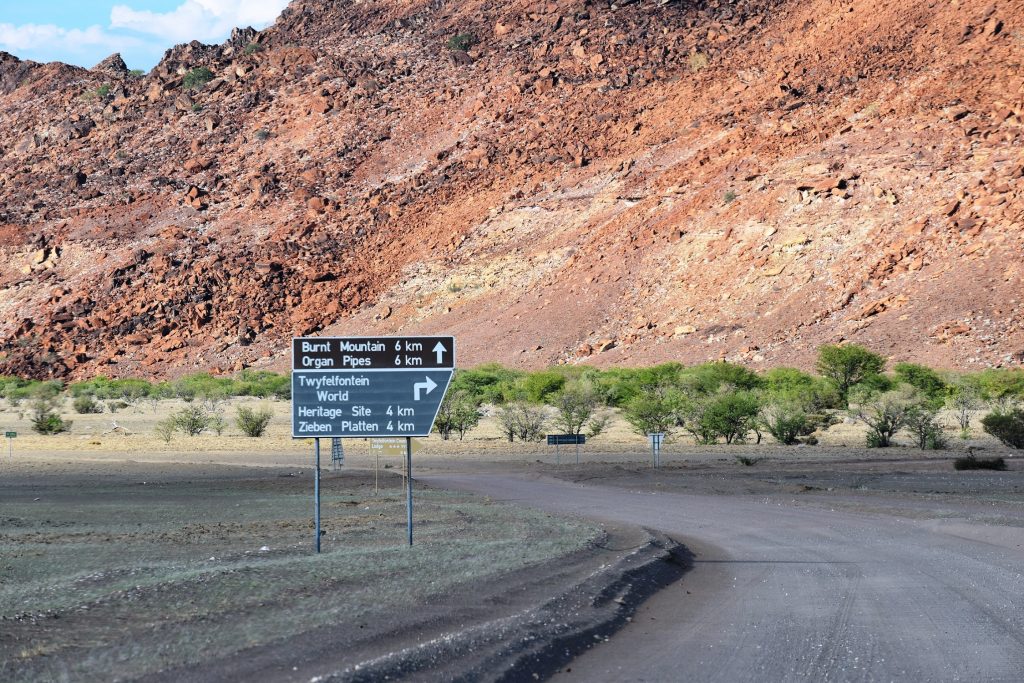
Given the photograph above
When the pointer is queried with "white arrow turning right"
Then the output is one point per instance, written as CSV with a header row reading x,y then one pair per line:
x,y
440,351
428,386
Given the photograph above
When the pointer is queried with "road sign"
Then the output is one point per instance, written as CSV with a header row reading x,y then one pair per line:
x,y
369,386
656,439
566,439
390,446
557,440
10,435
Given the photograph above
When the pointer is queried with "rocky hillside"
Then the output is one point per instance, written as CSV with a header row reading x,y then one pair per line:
x,y
613,183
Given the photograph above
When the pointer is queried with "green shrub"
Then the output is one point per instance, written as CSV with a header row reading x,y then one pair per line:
x,y
848,365
85,405
197,78
922,423
575,405
709,378
253,48
927,382
598,423
1001,387
972,463
263,384
787,420
729,197
731,416
461,41
964,398
45,419
748,461
522,420
540,386
253,422
458,413
883,413
651,411
1007,426
617,386
218,424
489,383
192,420
165,429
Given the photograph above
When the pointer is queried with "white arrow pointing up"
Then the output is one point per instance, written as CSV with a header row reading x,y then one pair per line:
x,y
440,351
428,386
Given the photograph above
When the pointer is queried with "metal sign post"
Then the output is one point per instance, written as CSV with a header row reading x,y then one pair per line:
x,y
337,454
316,493
656,438
557,440
10,443
366,387
408,490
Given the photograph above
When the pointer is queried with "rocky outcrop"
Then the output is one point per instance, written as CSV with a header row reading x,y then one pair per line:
x,y
552,182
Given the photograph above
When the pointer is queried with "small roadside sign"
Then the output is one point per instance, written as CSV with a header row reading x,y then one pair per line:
x,y
557,440
656,438
391,446
566,439
10,435
10,442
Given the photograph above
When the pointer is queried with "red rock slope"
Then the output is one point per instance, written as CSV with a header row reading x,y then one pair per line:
x,y
588,182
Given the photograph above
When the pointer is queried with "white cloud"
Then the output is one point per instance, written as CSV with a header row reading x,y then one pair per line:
x,y
29,38
204,20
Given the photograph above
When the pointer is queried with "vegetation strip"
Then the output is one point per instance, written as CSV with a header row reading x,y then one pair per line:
x,y
712,402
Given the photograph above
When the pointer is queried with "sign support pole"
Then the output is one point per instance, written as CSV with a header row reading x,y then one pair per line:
x,y
558,458
376,476
408,492
316,493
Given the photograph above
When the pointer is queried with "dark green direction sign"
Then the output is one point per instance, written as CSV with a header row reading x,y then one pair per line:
x,y
369,386
373,353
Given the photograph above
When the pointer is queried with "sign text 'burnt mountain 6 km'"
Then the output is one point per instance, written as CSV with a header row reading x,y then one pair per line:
x,y
369,386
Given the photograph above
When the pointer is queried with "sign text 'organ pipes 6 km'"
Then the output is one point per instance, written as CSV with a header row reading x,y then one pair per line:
x,y
369,386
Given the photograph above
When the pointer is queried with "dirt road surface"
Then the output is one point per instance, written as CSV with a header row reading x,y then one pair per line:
x,y
791,591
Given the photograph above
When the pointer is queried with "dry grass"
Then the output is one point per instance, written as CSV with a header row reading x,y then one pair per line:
x,y
121,570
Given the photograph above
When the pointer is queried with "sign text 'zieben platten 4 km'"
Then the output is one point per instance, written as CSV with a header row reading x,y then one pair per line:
x,y
369,386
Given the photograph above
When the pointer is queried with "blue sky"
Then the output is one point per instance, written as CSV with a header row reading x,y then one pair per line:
x,y
84,32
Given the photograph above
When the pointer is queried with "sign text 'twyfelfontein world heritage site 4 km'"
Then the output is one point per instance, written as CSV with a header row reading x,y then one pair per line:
x,y
359,387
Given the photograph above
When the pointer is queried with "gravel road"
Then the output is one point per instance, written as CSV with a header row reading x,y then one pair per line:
x,y
786,592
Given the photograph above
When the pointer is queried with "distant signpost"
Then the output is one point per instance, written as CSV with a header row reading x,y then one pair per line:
x,y
389,447
557,440
367,387
656,438
337,453
11,436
